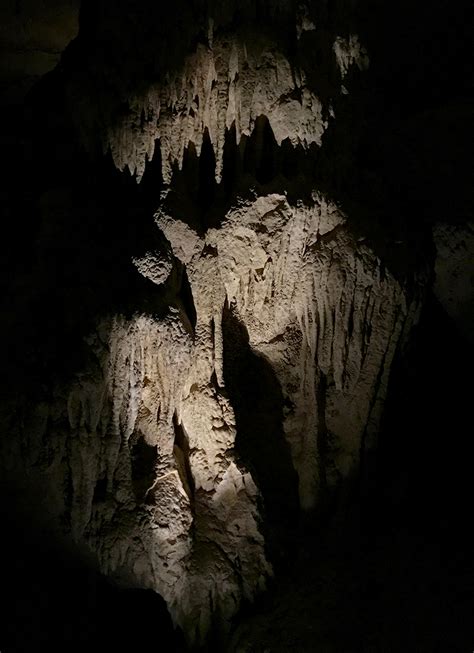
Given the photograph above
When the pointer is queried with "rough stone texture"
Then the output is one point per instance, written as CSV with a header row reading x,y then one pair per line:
x,y
229,84
454,270
143,443
140,463
318,307
140,448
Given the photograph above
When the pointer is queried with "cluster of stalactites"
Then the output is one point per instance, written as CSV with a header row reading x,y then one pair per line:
x,y
227,85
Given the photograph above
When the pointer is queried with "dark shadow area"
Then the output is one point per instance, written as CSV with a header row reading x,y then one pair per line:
x,y
71,228
151,183
421,485
143,458
404,43
397,574
181,456
55,600
423,468
186,295
260,155
256,164
410,165
231,161
260,445
207,174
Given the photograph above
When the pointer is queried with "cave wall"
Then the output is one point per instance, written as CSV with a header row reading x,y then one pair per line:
x,y
33,36
239,141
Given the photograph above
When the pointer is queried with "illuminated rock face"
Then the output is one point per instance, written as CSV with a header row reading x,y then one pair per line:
x,y
145,440
317,308
156,491
226,84
155,487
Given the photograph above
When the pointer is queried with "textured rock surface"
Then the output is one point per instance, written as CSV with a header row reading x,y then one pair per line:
x,y
229,84
318,307
142,447
144,472
144,442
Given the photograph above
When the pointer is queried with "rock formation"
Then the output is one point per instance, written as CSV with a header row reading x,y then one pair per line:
x,y
153,455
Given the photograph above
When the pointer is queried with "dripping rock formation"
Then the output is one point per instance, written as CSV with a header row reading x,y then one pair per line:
x,y
214,324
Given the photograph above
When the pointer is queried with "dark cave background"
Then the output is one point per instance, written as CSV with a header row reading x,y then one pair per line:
x,y
395,572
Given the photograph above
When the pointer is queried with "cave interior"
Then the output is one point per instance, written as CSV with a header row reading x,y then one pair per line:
x,y
316,507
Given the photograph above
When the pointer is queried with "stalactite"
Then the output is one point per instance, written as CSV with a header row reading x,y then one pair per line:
x,y
148,444
229,84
